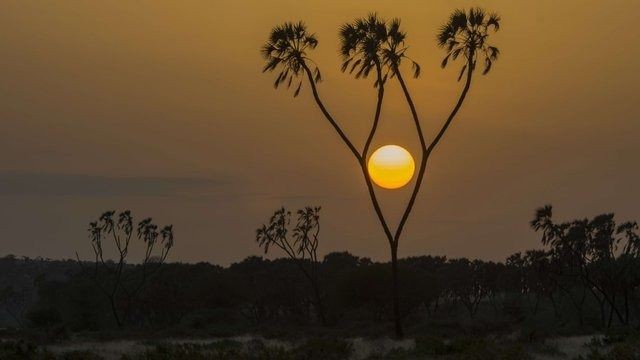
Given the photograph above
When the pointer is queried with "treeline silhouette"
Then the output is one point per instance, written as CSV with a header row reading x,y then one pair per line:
x,y
586,277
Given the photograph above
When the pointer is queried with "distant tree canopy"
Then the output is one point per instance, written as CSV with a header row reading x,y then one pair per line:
x,y
584,276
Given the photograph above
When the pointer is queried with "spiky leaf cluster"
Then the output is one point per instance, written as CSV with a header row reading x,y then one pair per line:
x,y
286,50
305,233
466,34
122,230
371,42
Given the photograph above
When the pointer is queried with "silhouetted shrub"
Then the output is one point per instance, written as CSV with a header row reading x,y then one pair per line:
x,y
79,355
44,318
324,349
214,351
431,345
18,350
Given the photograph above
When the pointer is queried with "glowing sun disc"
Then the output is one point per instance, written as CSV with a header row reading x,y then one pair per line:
x,y
391,167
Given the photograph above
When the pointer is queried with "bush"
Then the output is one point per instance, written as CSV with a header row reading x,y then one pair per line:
x,y
472,348
614,348
44,318
18,350
22,350
324,349
79,355
431,345
221,350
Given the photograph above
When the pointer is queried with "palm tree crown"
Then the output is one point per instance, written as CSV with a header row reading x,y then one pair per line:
x,y
287,49
371,42
360,44
466,34
395,51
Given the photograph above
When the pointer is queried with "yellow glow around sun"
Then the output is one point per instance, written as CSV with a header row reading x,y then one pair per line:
x,y
391,167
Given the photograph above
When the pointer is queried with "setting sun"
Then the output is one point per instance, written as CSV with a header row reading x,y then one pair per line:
x,y
391,167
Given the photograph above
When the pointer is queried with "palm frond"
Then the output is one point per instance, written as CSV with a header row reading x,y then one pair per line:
x,y
494,20
361,41
493,52
487,66
444,62
297,92
416,69
345,64
286,48
466,33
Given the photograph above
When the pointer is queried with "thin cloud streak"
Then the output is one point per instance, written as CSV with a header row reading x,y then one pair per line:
x,y
72,185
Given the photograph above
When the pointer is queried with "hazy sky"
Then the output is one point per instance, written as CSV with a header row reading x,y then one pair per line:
x,y
161,107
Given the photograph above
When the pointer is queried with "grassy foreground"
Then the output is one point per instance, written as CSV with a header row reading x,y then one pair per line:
x,y
594,348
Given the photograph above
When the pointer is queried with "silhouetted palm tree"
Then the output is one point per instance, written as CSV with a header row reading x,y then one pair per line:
x,y
287,49
393,54
466,33
463,34
366,44
372,44
361,42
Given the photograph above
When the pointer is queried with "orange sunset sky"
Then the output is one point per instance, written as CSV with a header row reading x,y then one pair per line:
x,y
161,107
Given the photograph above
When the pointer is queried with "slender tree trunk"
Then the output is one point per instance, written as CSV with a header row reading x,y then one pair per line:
x,y
114,310
376,116
328,116
426,152
555,306
535,306
395,291
423,159
393,239
493,300
592,284
584,297
319,305
626,306
430,311
362,159
610,317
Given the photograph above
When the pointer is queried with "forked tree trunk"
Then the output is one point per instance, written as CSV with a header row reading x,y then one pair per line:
x,y
114,310
395,291
392,238
426,152
362,160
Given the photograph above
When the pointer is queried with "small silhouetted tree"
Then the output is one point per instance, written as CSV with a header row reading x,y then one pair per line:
x,y
373,45
116,279
301,246
538,279
467,283
600,254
